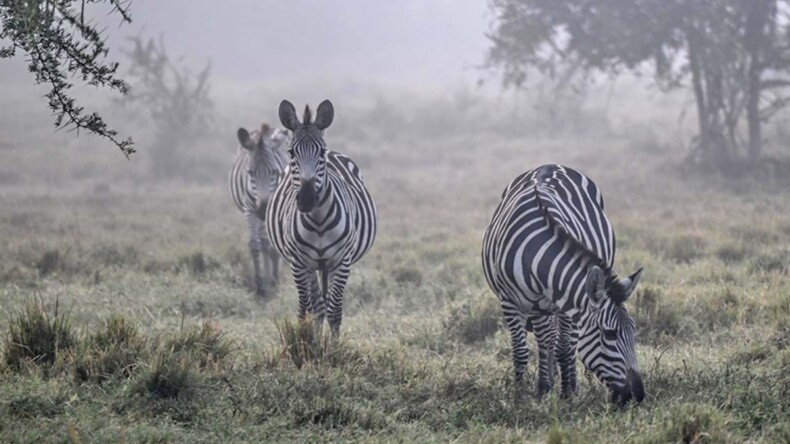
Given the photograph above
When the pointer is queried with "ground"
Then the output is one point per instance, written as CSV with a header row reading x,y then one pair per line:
x,y
194,356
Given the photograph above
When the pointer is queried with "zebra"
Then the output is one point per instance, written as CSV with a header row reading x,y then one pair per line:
x,y
259,164
321,218
548,254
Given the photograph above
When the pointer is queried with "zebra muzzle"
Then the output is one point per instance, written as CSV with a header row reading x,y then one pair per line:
x,y
633,389
307,196
637,387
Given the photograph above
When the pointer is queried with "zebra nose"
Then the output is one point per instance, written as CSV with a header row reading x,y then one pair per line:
x,y
307,196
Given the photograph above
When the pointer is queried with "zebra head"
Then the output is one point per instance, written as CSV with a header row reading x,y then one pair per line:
x,y
266,162
607,344
308,151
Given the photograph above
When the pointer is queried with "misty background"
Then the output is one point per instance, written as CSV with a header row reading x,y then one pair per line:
x,y
403,74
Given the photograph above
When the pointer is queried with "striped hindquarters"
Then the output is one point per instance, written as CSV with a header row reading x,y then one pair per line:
x,y
537,246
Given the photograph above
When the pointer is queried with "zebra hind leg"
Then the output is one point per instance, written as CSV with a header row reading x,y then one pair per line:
x,y
255,244
256,264
546,336
516,323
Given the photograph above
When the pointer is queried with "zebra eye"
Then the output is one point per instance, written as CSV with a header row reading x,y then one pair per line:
x,y
610,334
291,152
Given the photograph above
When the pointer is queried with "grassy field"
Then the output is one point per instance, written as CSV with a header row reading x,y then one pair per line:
x,y
160,339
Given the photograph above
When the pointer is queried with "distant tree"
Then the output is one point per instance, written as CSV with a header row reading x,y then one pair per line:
x,y
733,54
60,44
176,101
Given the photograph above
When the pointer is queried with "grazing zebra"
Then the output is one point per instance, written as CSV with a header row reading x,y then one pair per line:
x,y
547,254
259,163
321,218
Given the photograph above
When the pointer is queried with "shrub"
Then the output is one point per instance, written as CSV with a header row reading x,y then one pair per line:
x,y
51,261
770,263
111,352
558,436
691,423
197,263
731,253
35,336
686,248
654,316
306,342
173,376
408,275
474,322
206,343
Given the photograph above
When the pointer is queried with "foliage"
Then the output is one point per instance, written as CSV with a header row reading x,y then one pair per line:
x,y
734,53
59,44
177,102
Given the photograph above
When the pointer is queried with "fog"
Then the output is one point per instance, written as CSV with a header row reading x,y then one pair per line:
x,y
406,43
400,74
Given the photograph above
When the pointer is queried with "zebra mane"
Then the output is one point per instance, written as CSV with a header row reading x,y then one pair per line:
x,y
308,116
614,288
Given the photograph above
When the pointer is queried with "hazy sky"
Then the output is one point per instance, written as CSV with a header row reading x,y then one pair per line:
x,y
404,42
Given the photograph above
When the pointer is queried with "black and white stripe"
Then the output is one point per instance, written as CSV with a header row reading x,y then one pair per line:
x,y
260,162
548,254
321,218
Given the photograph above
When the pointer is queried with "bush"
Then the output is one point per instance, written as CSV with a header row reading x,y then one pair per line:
x,y
197,263
50,262
686,248
731,253
173,376
35,336
770,263
654,317
408,275
691,423
207,344
114,351
306,342
474,322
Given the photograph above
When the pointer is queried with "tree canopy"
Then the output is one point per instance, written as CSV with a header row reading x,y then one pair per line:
x,y
733,54
60,44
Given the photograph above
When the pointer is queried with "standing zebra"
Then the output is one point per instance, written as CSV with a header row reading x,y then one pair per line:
x,y
321,218
259,163
548,253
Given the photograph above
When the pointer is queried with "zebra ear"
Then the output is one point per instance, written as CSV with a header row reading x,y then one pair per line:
x,y
244,139
595,284
288,115
631,282
324,115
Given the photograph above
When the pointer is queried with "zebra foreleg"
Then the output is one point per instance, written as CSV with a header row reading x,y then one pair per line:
x,y
566,354
254,225
307,287
517,323
546,336
336,280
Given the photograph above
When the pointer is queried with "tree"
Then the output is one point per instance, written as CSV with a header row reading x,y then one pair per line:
x,y
733,54
176,101
59,44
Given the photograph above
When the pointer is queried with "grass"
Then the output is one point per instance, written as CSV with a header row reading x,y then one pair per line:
x,y
128,317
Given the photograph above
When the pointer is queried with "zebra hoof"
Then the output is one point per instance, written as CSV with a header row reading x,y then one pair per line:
x,y
567,392
542,387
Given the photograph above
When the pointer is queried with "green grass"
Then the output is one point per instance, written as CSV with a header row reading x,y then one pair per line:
x,y
158,337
